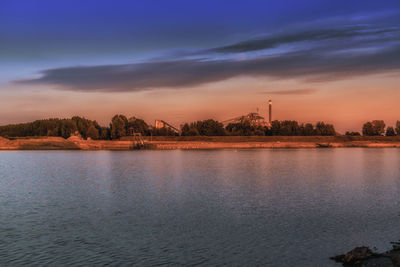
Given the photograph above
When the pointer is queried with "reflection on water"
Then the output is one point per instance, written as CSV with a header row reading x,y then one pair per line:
x,y
239,208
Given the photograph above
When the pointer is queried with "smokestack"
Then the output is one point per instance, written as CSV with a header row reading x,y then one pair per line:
x,y
270,110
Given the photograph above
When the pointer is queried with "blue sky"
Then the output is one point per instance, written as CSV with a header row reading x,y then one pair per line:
x,y
99,46
46,30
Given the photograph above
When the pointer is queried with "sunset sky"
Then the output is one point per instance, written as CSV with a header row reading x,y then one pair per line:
x,y
335,61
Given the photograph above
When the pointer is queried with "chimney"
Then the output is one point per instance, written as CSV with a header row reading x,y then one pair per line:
x,y
270,110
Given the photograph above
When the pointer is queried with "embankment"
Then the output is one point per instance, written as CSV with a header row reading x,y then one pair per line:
x,y
58,143
199,142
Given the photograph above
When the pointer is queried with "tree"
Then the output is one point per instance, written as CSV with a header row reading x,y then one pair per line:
x,y
352,133
307,129
208,127
105,133
244,128
55,127
118,126
185,129
374,128
192,132
368,129
259,130
267,131
164,131
67,128
390,131
82,125
379,127
289,128
92,132
397,127
324,129
189,130
240,128
138,125
276,127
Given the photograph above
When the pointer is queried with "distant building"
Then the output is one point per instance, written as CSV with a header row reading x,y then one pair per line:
x,y
254,119
158,124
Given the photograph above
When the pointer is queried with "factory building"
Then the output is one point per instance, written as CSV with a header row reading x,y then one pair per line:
x,y
254,118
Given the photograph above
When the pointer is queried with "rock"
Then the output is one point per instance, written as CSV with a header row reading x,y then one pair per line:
x,y
378,262
394,254
354,257
358,254
364,257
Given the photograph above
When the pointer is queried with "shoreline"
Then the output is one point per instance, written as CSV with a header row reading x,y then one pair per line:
x,y
200,143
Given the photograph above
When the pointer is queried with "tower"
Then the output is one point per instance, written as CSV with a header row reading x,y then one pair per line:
x,y
270,111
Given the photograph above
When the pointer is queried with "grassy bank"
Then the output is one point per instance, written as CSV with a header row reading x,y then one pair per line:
x,y
199,142
342,138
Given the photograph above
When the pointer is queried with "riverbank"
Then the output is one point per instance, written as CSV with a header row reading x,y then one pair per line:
x,y
199,142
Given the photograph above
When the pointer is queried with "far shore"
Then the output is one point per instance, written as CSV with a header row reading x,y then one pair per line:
x,y
199,142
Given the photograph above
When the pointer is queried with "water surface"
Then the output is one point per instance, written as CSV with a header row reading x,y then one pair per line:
x,y
184,208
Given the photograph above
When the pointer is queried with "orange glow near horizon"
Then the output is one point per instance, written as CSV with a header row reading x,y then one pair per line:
x,y
345,103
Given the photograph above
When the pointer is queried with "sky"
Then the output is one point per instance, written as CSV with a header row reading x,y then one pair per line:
x,y
318,60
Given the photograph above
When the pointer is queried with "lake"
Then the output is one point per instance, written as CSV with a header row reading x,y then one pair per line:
x,y
293,207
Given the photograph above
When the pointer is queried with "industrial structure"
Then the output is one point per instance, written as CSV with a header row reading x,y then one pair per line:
x,y
270,111
159,124
254,118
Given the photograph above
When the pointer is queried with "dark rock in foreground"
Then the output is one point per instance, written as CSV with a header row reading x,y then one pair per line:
x,y
355,257
365,257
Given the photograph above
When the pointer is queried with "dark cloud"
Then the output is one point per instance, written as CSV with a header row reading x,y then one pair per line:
x,y
305,91
136,77
350,51
309,35
310,65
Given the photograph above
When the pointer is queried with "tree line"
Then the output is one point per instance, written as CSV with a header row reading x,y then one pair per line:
x,y
56,127
121,126
283,128
377,128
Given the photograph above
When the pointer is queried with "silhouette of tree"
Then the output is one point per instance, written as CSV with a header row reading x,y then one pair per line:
x,y
208,127
92,132
185,129
379,126
397,127
118,127
368,129
276,127
67,128
374,128
289,128
138,126
82,125
105,133
390,131
307,129
352,133
324,129
165,131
